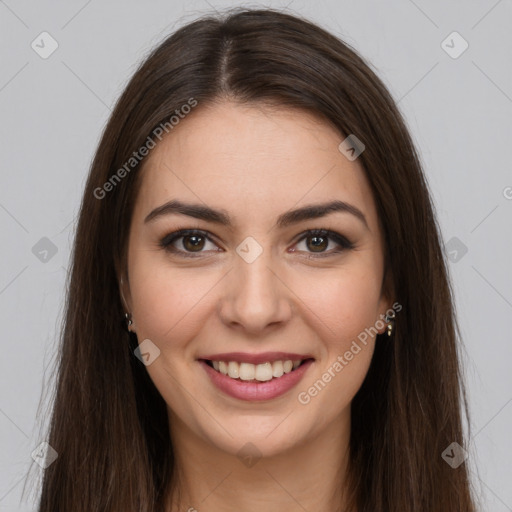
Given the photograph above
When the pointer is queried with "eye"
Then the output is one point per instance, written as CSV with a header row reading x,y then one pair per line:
x,y
318,240
193,241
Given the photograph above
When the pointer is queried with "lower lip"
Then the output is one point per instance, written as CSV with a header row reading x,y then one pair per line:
x,y
256,391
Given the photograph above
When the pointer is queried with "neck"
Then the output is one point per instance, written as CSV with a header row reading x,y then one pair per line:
x,y
310,476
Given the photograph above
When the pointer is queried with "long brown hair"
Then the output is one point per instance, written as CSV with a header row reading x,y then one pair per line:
x,y
109,424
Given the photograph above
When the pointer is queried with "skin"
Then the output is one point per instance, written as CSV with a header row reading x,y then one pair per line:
x,y
255,162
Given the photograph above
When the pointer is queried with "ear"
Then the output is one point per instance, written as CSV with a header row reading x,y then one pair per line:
x,y
124,291
386,302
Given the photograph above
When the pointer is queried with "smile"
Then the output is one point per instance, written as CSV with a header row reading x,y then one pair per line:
x,y
252,378
255,372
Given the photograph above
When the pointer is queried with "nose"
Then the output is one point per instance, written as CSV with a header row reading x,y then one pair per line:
x,y
255,298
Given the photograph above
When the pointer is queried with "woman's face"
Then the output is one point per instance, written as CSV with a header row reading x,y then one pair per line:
x,y
253,289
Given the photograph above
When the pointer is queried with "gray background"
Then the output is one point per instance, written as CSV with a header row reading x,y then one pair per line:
x,y
53,111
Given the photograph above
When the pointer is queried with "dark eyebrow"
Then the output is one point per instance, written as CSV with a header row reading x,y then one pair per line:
x,y
206,213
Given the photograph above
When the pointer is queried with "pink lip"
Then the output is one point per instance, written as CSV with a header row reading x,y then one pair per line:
x,y
264,357
256,391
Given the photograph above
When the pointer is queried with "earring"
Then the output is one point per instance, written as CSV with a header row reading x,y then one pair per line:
x,y
129,321
389,318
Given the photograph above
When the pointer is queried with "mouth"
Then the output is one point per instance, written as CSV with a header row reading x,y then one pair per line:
x,y
249,372
256,377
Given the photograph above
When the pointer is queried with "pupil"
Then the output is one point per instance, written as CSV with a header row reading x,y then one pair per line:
x,y
197,243
318,242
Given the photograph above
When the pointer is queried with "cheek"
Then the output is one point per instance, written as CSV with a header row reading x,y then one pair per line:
x,y
166,300
342,309
344,315
344,302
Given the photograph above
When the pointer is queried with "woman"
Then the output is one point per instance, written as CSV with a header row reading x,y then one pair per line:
x,y
257,215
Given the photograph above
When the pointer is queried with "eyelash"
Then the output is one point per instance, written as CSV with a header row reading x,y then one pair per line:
x,y
343,242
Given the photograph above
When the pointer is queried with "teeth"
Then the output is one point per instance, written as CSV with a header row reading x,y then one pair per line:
x,y
277,369
261,372
247,371
233,370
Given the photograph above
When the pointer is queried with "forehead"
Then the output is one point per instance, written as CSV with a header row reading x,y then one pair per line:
x,y
252,159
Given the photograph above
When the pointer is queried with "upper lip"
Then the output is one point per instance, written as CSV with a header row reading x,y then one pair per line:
x,y
263,357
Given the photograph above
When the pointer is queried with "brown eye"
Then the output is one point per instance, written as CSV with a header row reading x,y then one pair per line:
x,y
318,240
318,243
193,242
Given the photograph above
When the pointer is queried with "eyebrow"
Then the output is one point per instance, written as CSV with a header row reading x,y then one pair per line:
x,y
221,217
